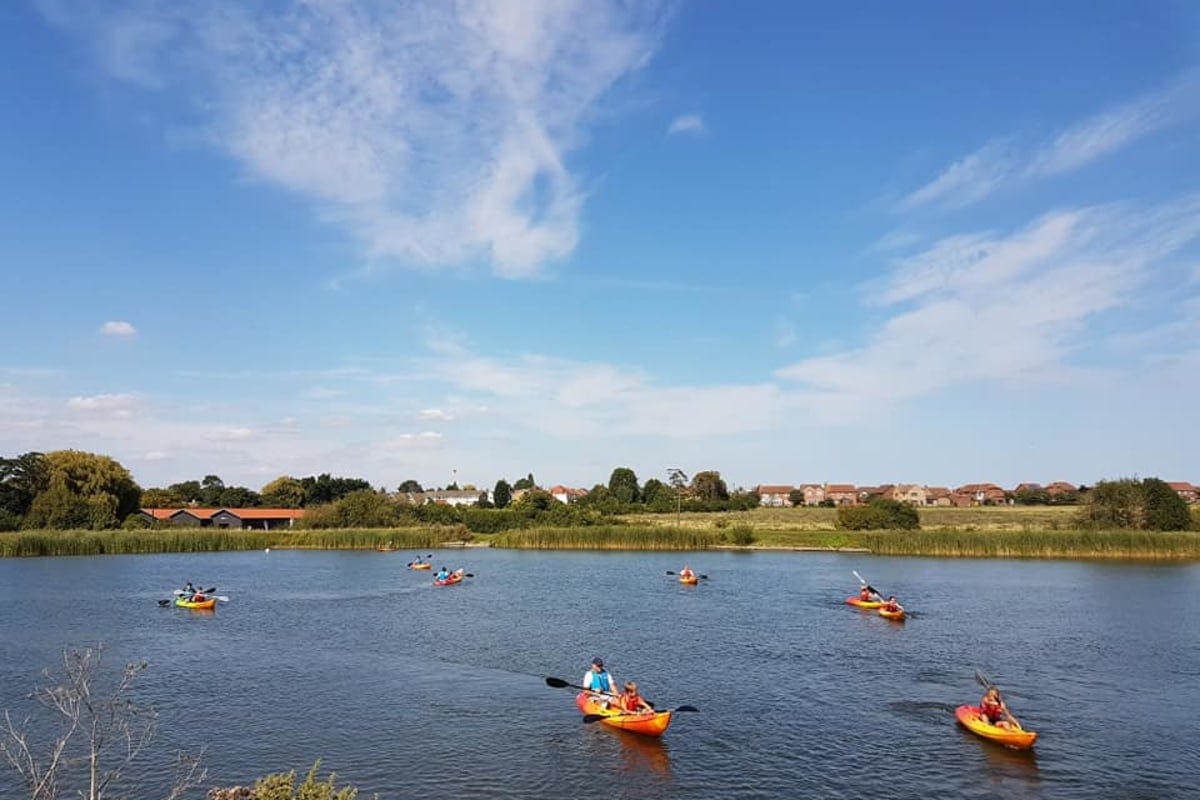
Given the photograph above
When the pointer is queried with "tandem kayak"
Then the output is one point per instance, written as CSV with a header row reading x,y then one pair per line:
x,y
1015,738
894,616
453,578
854,601
647,723
692,581
421,566
210,603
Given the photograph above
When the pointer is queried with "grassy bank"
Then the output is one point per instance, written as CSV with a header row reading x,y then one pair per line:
x,y
982,518
208,540
615,537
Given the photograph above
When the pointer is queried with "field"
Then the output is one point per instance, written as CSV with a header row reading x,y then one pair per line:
x,y
982,518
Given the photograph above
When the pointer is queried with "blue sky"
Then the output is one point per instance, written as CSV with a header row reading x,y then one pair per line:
x,y
932,242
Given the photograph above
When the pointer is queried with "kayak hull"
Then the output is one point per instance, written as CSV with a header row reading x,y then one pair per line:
x,y
894,616
648,723
208,604
455,577
422,566
971,719
689,581
854,601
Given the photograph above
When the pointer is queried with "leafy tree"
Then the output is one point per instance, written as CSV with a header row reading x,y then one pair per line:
x,y
325,489
188,490
210,491
653,490
21,479
1165,509
283,492
525,483
85,490
536,499
623,485
453,487
502,494
708,485
161,498
410,487
58,508
880,513
238,497
1031,497
1114,504
796,497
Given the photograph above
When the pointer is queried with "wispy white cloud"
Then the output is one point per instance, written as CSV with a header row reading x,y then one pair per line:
x,y
998,308
119,406
687,123
437,133
435,414
118,328
1004,161
229,433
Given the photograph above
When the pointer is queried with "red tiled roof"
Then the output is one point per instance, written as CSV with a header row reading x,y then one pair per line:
x,y
840,487
198,513
160,513
765,489
1181,486
265,513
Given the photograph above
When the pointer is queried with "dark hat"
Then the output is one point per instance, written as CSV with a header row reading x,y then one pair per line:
x,y
598,661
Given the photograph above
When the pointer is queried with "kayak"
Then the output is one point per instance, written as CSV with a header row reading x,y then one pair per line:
x,y
421,566
854,601
692,581
454,577
894,616
971,719
384,549
647,723
203,604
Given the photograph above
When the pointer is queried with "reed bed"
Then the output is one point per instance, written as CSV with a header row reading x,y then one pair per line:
x,y
208,540
989,518
615,537
1148,545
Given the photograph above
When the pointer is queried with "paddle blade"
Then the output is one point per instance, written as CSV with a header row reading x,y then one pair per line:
x,y
670,573
468,574
210,591
164,603
588,719
703,577
983,679
861,579
686,709
557,683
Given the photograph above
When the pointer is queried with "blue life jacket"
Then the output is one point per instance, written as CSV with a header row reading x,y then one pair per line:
x,y
600,681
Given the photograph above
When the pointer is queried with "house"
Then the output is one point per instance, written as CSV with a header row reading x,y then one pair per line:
x,y
565,494
232,518
937,496
907,493
960,500
453,497
842,494
774,496
1027,487
984,494
814,494
868,493
1189,493
1060,488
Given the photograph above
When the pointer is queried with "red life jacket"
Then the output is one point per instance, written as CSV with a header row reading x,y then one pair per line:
x,y
991,709
631,702
864,594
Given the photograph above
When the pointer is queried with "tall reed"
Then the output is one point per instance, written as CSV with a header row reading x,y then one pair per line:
x,y
616,537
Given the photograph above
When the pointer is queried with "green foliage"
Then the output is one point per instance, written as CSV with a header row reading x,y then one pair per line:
x,y
87,477
709,485
22,479
618,537
9,521
796,497
189,491
525,483
326,489
1031,497
161,498
410,486
536,499
502,494
623,485
740,535
1137,505
654,489
364,508
58,508
880,513
282,786
237,497
283,492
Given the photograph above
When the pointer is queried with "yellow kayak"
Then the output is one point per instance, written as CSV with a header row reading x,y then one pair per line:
x,y
973,720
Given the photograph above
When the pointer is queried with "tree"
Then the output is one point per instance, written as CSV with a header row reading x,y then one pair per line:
x,y
85,490
1031,497
100,732
283,492
21,479
678,479
653,490
536,499
325,489
623,485
502,494
58,508
1165,509
210,491
188,490
796,497
525,483
410,487
238,497
708,485
161,498
880,513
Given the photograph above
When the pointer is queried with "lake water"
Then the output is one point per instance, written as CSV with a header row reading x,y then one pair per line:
x,y
410,690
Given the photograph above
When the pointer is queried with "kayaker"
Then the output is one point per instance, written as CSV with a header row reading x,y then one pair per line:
x,y
630,701
443,574
993,708
197,596
686,573
892,606
599,682
189,590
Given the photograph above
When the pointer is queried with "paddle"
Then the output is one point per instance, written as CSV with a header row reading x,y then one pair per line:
x,y
863,581
701,577
559,683
590,718
418,560
987,684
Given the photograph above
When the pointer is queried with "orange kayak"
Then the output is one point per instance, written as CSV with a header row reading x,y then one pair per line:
x,y
647,723
208,604
1016,738
692,581
894,616
854,601
455,577
421,566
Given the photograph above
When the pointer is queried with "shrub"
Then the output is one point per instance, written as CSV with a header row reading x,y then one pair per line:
x,y
282,786
878,514
741,535
1132,504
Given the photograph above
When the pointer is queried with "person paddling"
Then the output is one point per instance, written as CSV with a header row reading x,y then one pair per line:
x,y
892,606
443,574
993,708
598,682
686,573
631,702
868,595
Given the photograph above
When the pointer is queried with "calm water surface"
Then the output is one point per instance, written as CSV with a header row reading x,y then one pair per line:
x,y
410,691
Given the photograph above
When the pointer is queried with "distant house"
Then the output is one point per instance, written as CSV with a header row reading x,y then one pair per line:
x,y
842,494
868,493
909,493
232,518
983,493
1060,488
937,496
814,493
960,500
453,497
566,494
1189,493
774,496
1027,487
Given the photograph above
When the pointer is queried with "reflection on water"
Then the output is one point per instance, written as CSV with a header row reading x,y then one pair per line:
x,y
644,755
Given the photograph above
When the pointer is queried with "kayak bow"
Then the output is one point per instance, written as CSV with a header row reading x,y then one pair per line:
x,y
854,601
647,723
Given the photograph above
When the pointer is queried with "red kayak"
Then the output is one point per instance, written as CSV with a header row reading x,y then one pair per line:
x,y
453,578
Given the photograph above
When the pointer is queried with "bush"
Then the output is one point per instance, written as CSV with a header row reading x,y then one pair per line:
x,y
1134,505
282,786
740,535
9,521
878,514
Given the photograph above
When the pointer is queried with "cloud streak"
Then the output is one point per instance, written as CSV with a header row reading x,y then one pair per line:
x,y
687,123
119,329
438,134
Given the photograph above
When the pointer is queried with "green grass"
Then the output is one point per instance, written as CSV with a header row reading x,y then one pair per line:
x,y
994,518
617,537
208,540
